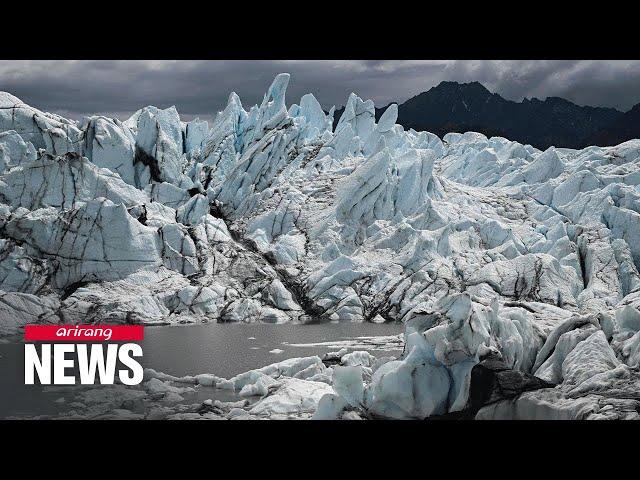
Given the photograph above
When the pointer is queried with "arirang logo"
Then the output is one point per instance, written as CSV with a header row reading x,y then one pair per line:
x,y
51,363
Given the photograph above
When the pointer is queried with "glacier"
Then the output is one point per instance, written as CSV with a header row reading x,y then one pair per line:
x,y
513,270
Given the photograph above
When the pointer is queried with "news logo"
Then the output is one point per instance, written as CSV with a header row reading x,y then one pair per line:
x,y
94,354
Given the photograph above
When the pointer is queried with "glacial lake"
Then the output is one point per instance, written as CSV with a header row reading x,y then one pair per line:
x,y
221,349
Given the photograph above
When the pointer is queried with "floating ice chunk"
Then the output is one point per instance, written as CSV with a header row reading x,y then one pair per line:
x,y
258,388
408,390
287,368
294,397
357,358
347,382
330,407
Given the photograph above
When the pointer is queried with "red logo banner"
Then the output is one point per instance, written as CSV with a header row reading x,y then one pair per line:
x,y
83,333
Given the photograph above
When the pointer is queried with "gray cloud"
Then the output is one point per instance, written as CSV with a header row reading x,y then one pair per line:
x,y
201,88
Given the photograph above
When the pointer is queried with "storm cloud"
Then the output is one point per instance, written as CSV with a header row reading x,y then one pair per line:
x,y
201,88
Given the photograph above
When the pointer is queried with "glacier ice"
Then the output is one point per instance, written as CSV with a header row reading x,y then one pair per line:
x,y
483,247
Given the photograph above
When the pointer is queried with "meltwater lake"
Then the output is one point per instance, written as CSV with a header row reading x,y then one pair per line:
x,y
223,349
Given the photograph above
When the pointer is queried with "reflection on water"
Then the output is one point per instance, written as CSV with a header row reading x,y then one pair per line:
x,y
221,349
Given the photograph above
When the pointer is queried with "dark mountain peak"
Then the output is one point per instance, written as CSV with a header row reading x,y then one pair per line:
x,y
546,101
558,101
470,88
461,107
459,85
623,128
447,95
635,109
555,104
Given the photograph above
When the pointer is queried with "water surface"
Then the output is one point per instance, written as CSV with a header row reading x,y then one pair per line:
x,y
224,350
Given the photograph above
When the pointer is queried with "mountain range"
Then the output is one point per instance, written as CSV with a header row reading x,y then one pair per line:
x,y
460,107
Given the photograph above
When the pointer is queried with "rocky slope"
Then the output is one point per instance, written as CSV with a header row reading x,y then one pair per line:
x,y
488,250
623,128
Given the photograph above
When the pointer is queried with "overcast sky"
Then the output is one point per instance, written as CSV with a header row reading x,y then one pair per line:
x,y
201,88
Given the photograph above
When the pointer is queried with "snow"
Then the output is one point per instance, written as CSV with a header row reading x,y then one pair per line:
x,y
480,246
